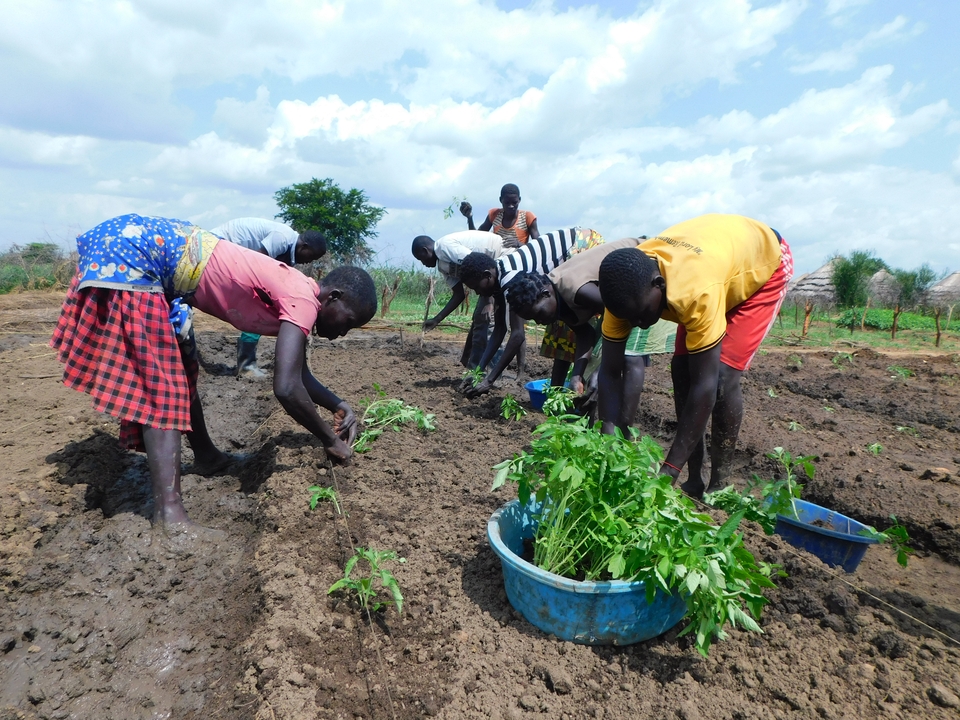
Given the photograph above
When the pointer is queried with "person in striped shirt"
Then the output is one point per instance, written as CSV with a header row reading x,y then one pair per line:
x,y
487,276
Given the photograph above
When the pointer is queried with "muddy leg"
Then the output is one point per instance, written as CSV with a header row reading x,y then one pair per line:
x,y
680,372
163,457
727,417
208,458
634,373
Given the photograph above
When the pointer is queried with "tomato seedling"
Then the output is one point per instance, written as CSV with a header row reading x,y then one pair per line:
x,y
511,409
318,493
367,588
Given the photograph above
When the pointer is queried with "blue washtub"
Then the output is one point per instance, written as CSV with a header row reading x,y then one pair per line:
x,y
837,543
538,392
590,613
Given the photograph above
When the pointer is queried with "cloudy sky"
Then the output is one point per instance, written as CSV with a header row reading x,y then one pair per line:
x,y
835,121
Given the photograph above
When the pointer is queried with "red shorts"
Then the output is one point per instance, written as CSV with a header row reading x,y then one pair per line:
x,y
750,321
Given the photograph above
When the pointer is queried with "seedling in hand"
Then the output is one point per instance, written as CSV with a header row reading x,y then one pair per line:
x,y
368,587
511,409
559,401
474,377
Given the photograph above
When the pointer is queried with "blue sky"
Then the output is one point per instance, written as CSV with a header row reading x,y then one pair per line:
x,y
834,121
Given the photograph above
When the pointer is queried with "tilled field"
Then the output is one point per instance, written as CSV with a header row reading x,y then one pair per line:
x,y
101,619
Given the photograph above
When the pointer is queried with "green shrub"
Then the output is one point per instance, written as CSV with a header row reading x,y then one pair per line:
x,y
880,319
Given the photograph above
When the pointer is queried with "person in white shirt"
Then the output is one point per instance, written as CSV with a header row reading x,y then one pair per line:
x,y
446,254
279,241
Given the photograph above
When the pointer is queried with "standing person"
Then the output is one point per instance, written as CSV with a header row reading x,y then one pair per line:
x,y
281,242
723,279
514,225
570,293
447,254
121,327
487,276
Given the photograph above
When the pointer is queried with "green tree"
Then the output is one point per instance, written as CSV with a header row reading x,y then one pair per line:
x,y
851,276
913,284
345,218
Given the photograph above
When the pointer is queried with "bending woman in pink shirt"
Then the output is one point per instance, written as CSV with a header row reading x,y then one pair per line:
x,y
123,336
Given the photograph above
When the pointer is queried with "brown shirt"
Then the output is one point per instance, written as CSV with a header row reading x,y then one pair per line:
x,y
581,269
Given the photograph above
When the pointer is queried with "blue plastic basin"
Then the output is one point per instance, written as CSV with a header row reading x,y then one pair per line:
x,y
538,392
590,613
837,543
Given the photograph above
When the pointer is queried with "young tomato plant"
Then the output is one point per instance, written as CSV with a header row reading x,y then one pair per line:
x,y
559,401
605,512
777,498
474,377
318,493
511,409
384,413
875,448
367,588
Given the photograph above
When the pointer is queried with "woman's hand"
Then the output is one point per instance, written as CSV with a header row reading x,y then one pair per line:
x,y
576,384
345,423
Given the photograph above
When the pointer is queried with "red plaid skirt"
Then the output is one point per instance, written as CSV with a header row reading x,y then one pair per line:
x,y
119,347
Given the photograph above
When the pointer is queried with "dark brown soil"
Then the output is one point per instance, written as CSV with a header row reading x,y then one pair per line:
x,y
103,619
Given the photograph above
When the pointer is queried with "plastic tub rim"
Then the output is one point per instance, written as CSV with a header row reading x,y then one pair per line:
x,y
795,522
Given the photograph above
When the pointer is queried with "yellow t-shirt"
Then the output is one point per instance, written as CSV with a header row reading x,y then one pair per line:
x,y
711,264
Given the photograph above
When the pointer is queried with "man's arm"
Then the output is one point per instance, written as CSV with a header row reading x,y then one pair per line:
x,y
499,330
610,387
704,370
298,399
517,336
586,339
452,304
533,230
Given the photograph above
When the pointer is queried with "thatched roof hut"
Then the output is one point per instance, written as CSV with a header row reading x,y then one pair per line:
x,y
815,287
883,288
944,293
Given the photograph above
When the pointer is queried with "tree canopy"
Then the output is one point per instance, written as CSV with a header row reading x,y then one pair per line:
x,y
346,219
851,276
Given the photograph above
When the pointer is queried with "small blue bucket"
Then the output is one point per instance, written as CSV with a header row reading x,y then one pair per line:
x,y
590,613
538,392
836,543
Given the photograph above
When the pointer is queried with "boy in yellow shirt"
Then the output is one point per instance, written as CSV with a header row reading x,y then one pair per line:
x,y
722,278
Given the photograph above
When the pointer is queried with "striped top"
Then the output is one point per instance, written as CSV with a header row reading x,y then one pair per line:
x,y
540,255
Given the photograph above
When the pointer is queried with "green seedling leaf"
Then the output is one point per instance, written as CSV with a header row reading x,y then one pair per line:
x,y
901,372
318,493
475,376
510,409
875,448
772,393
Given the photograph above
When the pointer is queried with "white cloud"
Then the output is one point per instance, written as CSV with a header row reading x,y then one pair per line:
x,y
34,148
849,53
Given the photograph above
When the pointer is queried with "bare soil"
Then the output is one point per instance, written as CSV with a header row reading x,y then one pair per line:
x,y
103,618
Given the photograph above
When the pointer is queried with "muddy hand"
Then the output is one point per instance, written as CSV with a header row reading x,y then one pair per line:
x,y
340,453
482,389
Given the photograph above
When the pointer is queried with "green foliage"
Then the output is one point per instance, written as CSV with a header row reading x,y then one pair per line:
x,y
880,319
454,207
777,498
895,536
346,218
913,284
368,586
842,358
793,426
474,376
908,430
38,266
851,276
901,371
875,448
511,409
606,512
384,413
559,400
318,493
772,393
